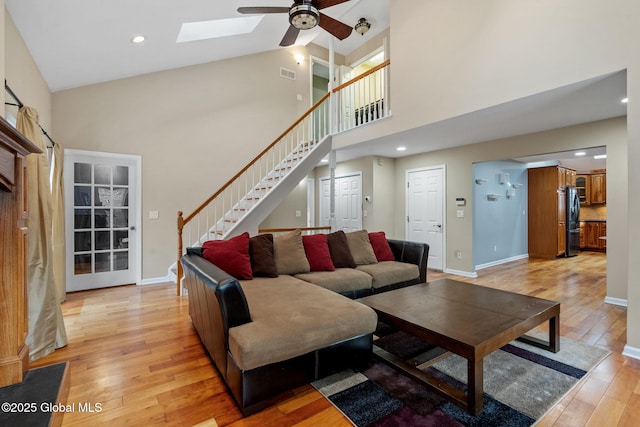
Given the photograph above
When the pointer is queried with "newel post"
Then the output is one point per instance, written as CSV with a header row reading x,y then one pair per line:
x,y
178,264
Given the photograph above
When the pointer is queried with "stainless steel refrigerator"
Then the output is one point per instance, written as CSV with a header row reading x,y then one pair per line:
x,y
573,221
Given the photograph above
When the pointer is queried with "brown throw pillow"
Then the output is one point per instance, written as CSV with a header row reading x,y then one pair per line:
x,y
361,248
339,250
261,252
289,253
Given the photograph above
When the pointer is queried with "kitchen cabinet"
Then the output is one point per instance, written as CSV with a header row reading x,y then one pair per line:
x,y
566,177
583,184
593,231
592,188
547,210
598,193
582,234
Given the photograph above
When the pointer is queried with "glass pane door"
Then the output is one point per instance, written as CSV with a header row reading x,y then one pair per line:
x,y
101,224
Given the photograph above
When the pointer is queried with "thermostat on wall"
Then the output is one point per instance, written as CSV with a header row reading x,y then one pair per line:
x,y
460,201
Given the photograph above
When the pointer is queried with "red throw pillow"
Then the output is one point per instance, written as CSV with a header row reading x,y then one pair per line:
x,y
317,251
231,255
381,247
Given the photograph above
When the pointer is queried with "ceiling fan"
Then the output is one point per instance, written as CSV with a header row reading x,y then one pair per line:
x,y
304,15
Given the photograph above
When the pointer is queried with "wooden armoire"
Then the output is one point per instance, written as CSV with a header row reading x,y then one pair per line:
x,y
14,353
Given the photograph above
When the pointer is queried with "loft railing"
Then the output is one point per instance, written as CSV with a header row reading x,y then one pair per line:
x,y
364,102
363,99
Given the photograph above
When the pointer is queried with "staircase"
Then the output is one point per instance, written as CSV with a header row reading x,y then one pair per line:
x,y
246,200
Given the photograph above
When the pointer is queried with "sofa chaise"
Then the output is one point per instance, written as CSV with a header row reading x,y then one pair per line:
x,y
280,330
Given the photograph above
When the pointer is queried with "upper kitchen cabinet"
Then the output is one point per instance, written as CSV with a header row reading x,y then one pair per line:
x,y
592,188
566,177
583,184
598,188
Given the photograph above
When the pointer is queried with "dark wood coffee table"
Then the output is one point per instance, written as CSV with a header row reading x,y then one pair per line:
x,y
469,320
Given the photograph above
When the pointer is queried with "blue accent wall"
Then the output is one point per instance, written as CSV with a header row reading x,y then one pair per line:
x,y
500,225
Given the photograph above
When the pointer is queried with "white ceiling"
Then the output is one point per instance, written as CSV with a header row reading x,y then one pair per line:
x,y
81,42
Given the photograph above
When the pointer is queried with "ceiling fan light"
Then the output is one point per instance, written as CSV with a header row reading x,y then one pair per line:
x,y
362,26
304,16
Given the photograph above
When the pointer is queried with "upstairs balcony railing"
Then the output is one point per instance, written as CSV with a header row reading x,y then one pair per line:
x,y
357,102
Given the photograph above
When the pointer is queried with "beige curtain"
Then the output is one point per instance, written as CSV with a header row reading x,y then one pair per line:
x,y
46,326
57,218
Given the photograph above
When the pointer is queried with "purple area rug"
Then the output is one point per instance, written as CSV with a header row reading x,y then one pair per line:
x,y
521,384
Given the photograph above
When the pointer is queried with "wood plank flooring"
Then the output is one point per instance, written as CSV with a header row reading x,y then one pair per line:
x,y
134,351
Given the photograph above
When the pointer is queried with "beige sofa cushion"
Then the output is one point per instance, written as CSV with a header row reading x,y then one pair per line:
x,y
361,248
389,272
289,254
340,280
291,317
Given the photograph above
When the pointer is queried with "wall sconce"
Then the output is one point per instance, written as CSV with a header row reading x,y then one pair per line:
x,y
362,26
299,58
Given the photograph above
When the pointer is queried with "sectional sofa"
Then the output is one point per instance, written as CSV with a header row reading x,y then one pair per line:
x,y
286,315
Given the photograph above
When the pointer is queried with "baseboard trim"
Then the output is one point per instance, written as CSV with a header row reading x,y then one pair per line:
x,y
156,280
471,275
501,261
616,301
632,352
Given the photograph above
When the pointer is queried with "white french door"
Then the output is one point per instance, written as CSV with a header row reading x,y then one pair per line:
x,y
102,215
348,207
425,211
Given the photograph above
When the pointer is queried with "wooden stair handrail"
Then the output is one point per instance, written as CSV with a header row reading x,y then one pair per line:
x,y
284,230
252,162
362,76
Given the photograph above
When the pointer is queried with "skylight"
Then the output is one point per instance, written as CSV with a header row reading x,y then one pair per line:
x,y
191,31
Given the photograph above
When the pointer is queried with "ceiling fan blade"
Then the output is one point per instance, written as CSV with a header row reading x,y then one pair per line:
x,y
260,10
321,4
335,27
290,36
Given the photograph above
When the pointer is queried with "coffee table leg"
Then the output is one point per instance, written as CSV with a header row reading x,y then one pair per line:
x,y
475,379
554,333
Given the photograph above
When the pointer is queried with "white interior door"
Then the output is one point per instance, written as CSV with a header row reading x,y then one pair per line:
x,y
348,191
425,211
102,214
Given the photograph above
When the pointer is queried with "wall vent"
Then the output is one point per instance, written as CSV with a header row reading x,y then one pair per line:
x,y
287,74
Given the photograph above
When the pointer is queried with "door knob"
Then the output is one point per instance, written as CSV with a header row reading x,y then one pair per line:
x,y
132,228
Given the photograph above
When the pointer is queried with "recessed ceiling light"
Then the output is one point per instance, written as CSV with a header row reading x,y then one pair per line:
x,y
624,100
138,39
401,148
580,153
600,156
191,31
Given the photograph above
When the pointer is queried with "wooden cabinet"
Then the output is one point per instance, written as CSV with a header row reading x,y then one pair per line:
x,y
547,210
592,188
582,234
583,184
593,233
598,191
566,177
14,353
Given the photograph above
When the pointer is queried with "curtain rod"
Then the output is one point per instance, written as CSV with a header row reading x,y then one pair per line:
x,y
20,105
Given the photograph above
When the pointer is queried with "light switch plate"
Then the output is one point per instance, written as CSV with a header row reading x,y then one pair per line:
x,y
153,215
460,213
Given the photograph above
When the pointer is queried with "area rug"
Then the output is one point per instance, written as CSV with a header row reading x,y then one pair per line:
x,y
521,383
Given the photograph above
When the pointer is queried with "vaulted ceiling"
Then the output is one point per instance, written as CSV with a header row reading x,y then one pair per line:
x,y
81,42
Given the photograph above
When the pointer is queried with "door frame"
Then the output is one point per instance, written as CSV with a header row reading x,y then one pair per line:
x,y
137,160
328,178
442,167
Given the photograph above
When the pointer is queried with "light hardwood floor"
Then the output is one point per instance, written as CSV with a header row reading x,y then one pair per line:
x,y
133,350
